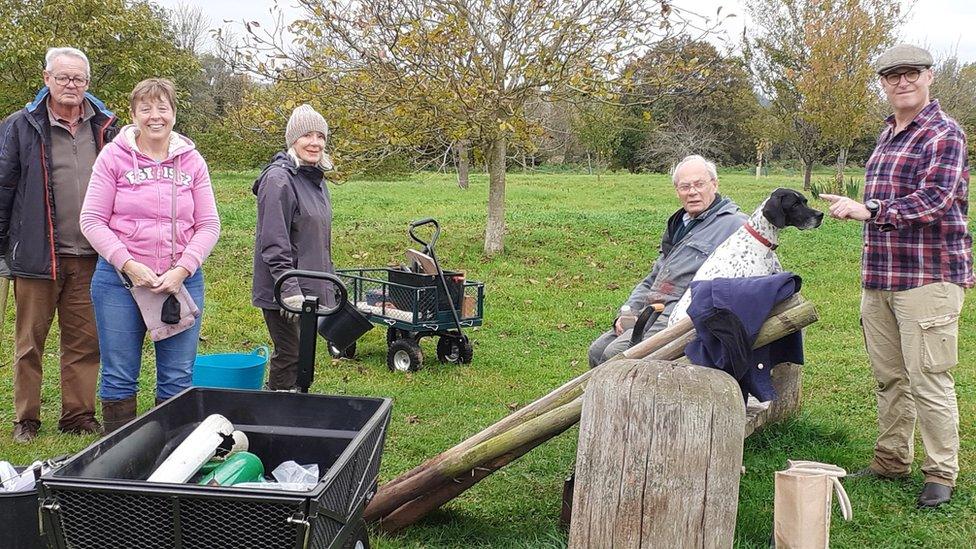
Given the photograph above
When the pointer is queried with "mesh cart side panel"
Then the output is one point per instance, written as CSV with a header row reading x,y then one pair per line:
x,y
336,497
98,520
210,523
324,532
366,465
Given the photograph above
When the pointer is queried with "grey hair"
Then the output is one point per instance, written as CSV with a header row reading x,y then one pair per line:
x,y
54,53
709,166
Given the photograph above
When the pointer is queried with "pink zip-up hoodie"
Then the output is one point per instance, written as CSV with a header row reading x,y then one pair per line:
x,y
128,209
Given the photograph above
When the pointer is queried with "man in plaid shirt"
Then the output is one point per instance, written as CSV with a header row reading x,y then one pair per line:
x,y
917,259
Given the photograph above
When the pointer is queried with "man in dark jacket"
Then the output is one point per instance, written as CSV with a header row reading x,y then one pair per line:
x,y
47,150
704,221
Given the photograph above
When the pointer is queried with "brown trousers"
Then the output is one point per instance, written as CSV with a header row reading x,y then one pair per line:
x,y
37,300
283,368
912,341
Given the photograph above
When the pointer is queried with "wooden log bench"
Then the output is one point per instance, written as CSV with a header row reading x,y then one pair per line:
x,y
660,453
414,493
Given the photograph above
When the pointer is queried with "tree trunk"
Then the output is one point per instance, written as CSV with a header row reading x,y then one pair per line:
x,y
659,457
807,171
463,166
495,228
841,164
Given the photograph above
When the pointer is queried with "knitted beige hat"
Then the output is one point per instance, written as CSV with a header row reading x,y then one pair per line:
x,y
304,119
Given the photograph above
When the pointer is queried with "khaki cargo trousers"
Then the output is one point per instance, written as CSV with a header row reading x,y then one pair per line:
x,y
911,338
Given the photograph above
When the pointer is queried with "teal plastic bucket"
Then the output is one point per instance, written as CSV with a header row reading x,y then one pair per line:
x,y
231,370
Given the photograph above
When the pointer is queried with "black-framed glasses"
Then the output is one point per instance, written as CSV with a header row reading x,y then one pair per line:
x,y
911,76
80,81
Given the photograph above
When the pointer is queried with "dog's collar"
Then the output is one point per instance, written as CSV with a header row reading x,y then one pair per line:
x,y
762,239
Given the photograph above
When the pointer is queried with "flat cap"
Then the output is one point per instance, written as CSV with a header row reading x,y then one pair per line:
x,y
903,55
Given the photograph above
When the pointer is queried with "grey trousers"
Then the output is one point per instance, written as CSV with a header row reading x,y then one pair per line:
x,y
607,346
283,365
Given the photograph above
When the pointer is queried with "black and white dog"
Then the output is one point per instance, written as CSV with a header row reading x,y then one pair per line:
x,y
750,250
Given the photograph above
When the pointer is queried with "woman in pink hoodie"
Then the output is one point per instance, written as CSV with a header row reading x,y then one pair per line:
x,y
150,214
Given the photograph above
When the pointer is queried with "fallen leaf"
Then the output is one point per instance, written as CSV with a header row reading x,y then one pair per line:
x,y
613,286
589,323
528,302
579,304
412,419
513,406
574,363
533,281
562,326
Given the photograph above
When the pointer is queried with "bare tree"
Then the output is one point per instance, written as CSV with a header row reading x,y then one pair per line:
x,y
190,27
461,69
676,139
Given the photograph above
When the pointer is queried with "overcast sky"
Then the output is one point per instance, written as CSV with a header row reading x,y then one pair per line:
x,y
944,26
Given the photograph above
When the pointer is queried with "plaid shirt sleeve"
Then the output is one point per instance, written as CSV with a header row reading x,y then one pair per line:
x,y
943,159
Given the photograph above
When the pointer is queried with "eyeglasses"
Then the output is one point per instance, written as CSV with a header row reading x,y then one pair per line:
x,y
911,76
80,81
698,185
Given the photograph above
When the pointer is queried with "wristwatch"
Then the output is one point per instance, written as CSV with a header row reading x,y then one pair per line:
x,y
873,205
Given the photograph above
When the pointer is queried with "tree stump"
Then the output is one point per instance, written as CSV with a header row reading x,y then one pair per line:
x,y
659,457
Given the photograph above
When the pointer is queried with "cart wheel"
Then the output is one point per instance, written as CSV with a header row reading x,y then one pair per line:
x,y
404,356
348,352
454,350
359,539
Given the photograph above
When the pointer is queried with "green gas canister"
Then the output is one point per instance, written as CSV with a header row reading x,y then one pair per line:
x,y
239,467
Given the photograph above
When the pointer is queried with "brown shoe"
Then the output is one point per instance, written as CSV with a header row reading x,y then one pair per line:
x,y
26,430
85,426
116,413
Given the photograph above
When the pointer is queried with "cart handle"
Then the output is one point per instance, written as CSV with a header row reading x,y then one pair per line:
x,y
299,273
422,222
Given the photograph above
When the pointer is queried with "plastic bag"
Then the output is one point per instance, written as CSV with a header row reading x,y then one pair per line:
x,y
12,481
290,472
289,486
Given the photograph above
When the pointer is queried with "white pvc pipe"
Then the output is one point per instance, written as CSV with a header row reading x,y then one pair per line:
x,y
197,449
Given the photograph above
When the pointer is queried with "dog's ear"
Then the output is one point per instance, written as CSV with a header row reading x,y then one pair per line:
x,y
773,209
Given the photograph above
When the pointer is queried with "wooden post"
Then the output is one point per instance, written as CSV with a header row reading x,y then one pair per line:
x,y
659,457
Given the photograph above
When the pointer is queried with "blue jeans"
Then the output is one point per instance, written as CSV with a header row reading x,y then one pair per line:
x,y
121,333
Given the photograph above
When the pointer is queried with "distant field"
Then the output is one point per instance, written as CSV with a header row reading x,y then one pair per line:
x,y
575,247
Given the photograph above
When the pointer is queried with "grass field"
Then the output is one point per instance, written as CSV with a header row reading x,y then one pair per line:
x,y
575,247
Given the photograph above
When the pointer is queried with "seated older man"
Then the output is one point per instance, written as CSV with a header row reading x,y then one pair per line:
x,y
704,221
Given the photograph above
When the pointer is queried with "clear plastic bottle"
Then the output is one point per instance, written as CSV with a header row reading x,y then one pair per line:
x,y
627,317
